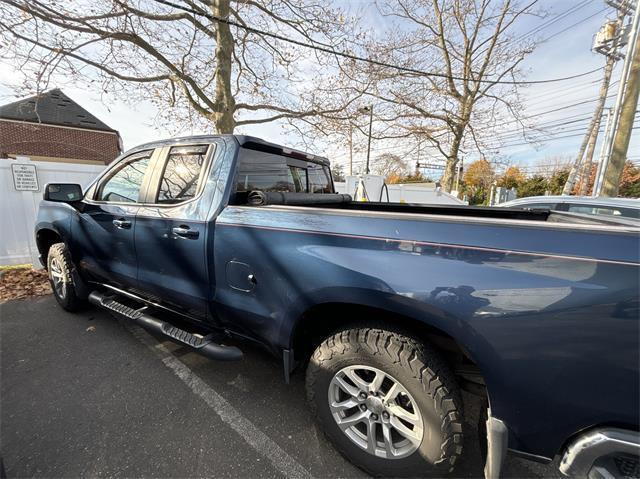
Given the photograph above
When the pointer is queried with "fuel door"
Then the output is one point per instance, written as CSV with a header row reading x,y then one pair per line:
x,y
240,276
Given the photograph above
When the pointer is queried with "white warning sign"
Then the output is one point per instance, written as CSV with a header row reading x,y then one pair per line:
x,y
25,177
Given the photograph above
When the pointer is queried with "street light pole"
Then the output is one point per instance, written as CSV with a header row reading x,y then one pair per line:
x,y
350,148
370,108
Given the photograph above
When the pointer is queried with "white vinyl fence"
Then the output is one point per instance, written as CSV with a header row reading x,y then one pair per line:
x,y
21,184
402,193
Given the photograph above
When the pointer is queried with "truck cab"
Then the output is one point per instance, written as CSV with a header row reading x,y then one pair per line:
x,y
143,223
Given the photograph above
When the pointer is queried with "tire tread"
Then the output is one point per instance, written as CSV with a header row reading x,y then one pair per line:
x,y
72,302
420,359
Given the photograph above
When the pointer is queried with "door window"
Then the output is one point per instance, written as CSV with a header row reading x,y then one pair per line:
x,y
182,174
123,186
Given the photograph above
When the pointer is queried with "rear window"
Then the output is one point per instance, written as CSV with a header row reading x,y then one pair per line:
x,y
271,172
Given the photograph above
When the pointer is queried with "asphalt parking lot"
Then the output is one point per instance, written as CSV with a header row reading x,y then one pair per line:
x,y
90,395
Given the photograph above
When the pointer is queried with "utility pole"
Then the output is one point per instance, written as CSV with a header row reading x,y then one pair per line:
x,y
418,153
620,146
601,167
575,167
623,88
606,42
595,127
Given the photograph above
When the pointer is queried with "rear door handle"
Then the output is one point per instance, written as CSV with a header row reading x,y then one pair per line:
x,y
122,223
185,232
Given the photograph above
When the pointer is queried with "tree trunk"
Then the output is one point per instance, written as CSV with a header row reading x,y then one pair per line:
x,y
611,184
223,118
452,162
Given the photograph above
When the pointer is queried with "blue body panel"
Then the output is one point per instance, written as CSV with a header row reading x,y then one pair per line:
x,y
101,249
555,336
548,311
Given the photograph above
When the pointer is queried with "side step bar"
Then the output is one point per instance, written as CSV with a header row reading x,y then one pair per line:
x,y
205,345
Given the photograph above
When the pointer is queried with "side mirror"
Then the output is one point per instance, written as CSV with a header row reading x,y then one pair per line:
x,y
62,192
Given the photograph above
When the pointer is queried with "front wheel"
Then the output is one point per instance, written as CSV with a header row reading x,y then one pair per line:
x,y
61,277
387,402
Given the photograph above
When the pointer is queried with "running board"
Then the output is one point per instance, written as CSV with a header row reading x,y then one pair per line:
x,y
203,345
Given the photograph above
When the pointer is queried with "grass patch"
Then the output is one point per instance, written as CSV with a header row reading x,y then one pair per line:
x,y
15,266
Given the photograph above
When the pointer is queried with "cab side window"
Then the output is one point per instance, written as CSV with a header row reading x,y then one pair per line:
x,y
123,186
319,179
265,172
272,172
299,177
182,174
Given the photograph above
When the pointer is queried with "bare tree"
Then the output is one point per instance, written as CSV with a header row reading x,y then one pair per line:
x,y
195,69
470,42
389,165
551,165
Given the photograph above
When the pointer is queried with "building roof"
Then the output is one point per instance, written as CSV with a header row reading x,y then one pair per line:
x,y
52,108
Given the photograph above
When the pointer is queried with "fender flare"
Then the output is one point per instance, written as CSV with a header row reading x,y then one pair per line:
x,y
420,311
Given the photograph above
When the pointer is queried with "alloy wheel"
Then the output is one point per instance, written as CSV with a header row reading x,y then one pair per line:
x,y
375,412
58,278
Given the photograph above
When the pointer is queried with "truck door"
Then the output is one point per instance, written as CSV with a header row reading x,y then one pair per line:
x,y
171,231
102,233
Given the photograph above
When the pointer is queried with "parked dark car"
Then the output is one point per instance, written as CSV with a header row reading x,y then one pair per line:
x,y
393,310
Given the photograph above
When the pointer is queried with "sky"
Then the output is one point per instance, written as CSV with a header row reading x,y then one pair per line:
x,y
566,53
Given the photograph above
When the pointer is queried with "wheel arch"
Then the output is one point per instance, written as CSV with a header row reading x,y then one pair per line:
x,y
321,320
46,237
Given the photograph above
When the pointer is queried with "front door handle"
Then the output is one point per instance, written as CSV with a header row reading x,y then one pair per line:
x,y
185,232
122,223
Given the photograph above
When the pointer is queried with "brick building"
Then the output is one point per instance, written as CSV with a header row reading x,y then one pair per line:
x,y
52,127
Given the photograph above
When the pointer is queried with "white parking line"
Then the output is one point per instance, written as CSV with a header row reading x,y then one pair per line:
x,y
258,440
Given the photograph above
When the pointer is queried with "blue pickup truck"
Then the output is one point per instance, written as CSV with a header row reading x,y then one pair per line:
x,y
393,311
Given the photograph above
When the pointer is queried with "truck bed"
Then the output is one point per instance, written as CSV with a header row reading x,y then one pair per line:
x,y
344,202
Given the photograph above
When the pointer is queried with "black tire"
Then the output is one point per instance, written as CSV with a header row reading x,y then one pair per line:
x,y
59,260
420,371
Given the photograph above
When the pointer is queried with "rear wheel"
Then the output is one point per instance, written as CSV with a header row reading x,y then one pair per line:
x,y
387,402
61,277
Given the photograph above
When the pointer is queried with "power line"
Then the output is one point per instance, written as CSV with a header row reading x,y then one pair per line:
x,y
507,135
551,94
553,125
333,51
541,129
563,107
542,113
575,24
549,139
557,18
